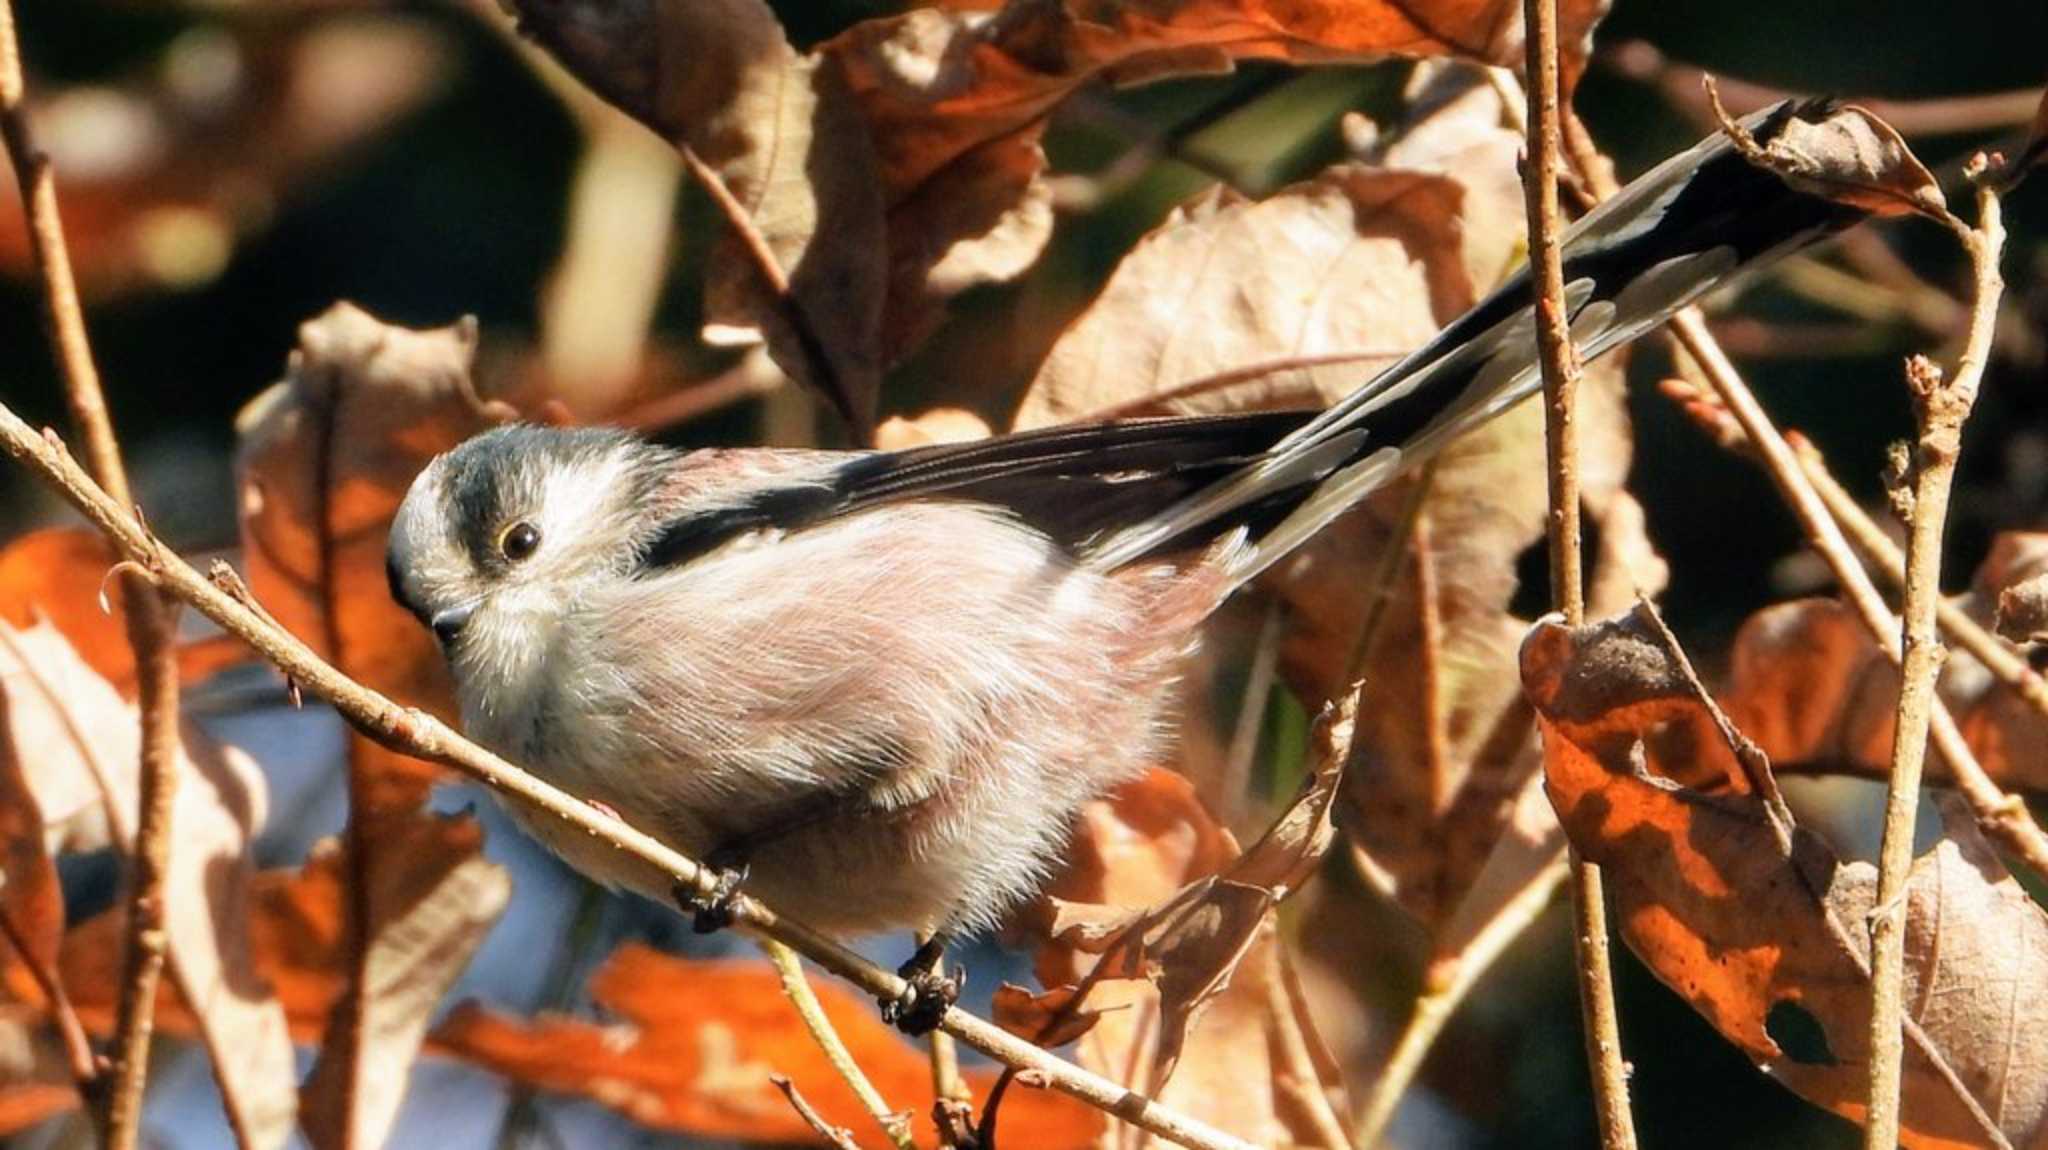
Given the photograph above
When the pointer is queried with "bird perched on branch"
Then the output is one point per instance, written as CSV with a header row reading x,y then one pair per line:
x,y
881,685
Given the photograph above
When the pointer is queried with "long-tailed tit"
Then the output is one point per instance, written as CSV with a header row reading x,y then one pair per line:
x,y
884,683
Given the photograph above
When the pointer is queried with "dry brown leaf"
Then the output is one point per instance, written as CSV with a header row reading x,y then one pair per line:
x,y
2023,610
31,897
60,574
1854,157
1810,685
1760,927
1049,1018
785,138
1364,260
949,95
1199,952
79,744
427,917
323,459
905,153
431,915
696,1042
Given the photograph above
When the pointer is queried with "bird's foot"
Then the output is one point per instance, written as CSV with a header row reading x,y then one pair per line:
x,y
715,911
929,993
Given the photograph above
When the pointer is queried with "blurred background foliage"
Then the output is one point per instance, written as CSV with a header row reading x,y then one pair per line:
x,y
424,175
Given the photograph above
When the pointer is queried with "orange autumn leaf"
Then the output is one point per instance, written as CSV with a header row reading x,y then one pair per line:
x,y
60,574
695,1045
1171,930
1811,686
75,746
323,459
1760,927
900,163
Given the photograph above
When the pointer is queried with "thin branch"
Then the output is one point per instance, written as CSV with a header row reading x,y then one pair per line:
x,y
1560,386
149,623
1940,407
948,1087
895,1124
1296,1075
86,1065
2007,665
1940,116
1450,979
775,278
838,1137
416,733
2002,817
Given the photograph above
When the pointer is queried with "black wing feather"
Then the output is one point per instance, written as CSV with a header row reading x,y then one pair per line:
x,y
1069,482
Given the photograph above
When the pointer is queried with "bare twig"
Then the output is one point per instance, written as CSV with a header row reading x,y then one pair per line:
x,y
1449,980
86,1065
1560,384
1946,115
2001,817
149,622
895,1124
838,1137
1940,407
775,279
948,1087
422,736
1998,656
1296,1076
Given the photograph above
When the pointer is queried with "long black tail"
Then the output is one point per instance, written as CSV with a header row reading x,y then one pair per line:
x,y
1695,222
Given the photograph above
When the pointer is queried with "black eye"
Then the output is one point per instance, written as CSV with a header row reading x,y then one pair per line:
x,y
519,540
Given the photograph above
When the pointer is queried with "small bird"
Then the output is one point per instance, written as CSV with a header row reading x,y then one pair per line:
x,y
881,685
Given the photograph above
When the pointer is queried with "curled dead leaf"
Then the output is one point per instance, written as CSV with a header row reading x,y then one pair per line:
x,y
322,460
75,746
1852,156
426,919
696,1045
1188,978
1050,1018
904,154
785,141
1758,925
1810,685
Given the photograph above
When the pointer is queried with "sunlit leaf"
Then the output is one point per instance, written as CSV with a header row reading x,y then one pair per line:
x,y
695,1043
79,746
1761,928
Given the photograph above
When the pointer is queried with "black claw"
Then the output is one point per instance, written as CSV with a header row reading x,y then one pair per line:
x,y
927,995
711,913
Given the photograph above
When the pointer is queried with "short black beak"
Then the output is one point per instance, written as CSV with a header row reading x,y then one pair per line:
x,y
447,624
